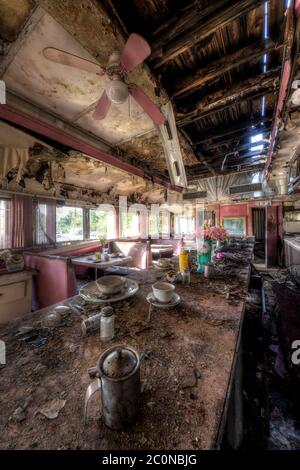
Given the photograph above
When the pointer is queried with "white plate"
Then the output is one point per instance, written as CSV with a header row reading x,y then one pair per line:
x,y
62,309
90,293
175,300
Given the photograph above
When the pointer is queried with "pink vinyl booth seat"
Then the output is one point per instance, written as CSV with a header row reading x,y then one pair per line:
x,y
56,275
137,250
55,280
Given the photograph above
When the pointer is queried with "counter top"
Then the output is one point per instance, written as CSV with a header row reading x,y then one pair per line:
x,y
293,241
183,402
16,276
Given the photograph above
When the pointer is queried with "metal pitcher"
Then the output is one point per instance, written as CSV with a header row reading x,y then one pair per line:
x,y
118,378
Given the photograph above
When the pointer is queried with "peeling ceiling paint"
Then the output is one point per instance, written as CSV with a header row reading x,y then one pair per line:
x,y
72,175
82,28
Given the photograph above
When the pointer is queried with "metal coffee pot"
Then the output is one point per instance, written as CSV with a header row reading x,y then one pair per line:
x,y
118,378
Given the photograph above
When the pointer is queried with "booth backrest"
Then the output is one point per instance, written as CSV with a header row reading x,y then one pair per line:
x,y
137,250
170,241
55,280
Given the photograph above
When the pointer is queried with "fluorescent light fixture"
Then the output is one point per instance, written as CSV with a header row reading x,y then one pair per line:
x,y
170,141
256,138
257,148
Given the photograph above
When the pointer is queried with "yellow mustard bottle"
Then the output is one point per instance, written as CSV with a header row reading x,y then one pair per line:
x,y
183,260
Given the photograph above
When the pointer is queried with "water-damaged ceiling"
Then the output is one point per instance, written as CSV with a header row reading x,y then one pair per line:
x,y
30,165
221,62
84,29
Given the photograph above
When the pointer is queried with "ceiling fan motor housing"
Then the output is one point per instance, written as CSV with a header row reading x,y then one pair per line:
x,y
116,89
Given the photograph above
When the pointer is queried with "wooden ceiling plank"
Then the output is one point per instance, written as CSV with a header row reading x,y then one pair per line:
x,y
198,154
226,63
232,140
247,155
235,129
251,88
232,148
164,52
196,176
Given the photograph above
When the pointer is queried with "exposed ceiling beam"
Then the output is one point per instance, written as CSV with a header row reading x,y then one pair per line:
x,y
237,138
238,148
247,155
207,74
163,51
27,115
198,154
194,176
248,89
183,19
235,129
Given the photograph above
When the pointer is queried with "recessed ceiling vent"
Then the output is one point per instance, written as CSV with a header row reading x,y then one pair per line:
x,y
245,188
195,195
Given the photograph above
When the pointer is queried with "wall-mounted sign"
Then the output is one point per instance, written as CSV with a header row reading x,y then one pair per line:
x,y
263,203
195,195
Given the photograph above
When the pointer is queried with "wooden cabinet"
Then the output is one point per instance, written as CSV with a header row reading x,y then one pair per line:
x,y
15,295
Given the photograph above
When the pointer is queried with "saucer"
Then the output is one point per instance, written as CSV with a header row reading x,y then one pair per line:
x,y
175,300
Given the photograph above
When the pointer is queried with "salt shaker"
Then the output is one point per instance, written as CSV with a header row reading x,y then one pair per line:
x,y
90,324
107,324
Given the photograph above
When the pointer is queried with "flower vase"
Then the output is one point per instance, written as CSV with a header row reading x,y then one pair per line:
x,y
204,250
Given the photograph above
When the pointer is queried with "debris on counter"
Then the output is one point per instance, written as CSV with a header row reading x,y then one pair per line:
x,y
18,415
191,337
52,408
36,338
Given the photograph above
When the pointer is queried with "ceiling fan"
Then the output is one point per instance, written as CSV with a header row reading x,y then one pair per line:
x,y
135,51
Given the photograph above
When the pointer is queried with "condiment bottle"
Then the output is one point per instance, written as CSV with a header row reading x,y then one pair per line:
x,y
183,260
107,324
90,324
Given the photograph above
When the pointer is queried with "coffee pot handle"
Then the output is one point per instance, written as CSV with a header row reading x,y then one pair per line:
x,y
94,387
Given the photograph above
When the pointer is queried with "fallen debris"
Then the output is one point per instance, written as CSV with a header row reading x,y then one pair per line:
x,y
52,408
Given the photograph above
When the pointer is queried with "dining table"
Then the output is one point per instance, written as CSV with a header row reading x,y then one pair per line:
x,y
90,261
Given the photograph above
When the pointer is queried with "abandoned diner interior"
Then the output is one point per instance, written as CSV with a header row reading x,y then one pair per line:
x,y
149,225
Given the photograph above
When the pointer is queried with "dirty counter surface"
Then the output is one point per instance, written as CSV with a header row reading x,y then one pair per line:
x,y
182,401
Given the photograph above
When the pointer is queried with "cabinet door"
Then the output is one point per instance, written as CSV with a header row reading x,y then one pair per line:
x,y
12,292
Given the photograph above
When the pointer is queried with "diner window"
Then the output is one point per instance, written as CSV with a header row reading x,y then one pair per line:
x,y
184,225
154,225
5,223
159,222
69,223
102,224
129,225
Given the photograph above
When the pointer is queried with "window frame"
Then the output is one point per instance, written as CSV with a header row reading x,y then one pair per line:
x,y
8,222
62,242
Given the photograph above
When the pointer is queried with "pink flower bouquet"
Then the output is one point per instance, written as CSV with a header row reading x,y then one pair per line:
x,y
212,233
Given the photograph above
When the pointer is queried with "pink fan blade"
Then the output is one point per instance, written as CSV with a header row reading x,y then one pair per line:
x,y
102,107
148,106
134,53
65,58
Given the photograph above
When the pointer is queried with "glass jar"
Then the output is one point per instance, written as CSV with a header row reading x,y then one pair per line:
x,y
186,276
91,323
107,324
